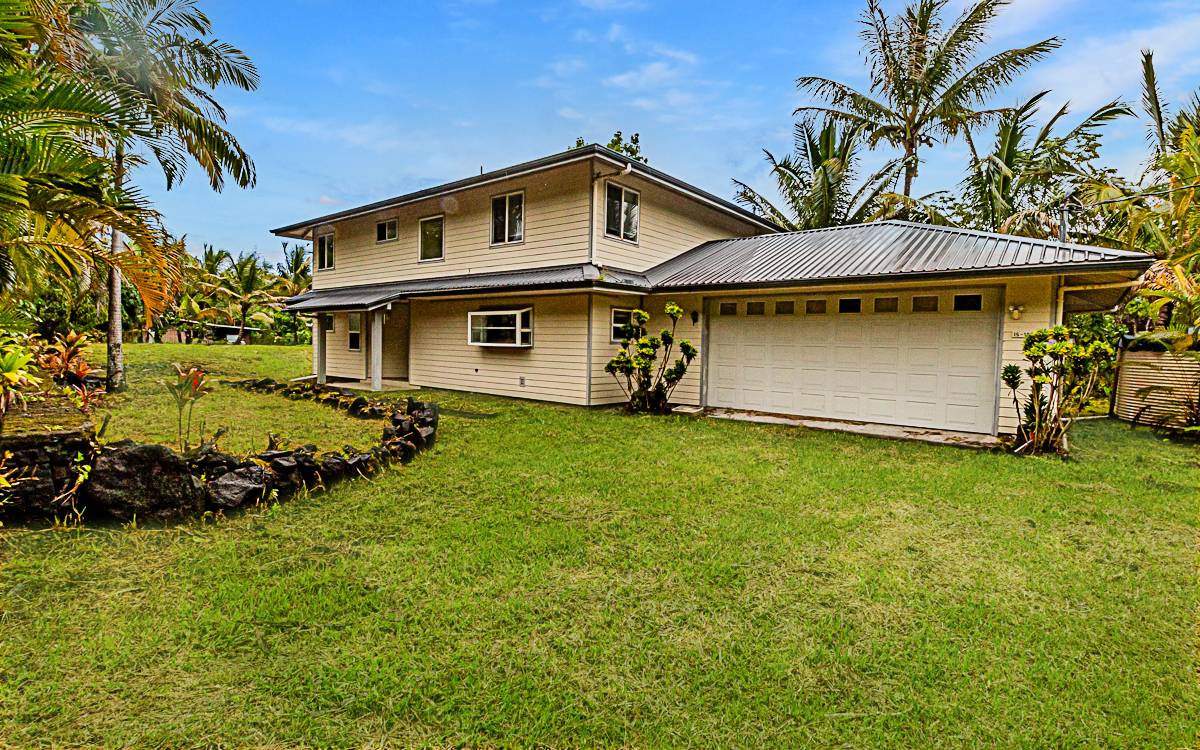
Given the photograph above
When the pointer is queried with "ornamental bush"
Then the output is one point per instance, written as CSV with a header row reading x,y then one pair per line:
x,y
641,367
1065,367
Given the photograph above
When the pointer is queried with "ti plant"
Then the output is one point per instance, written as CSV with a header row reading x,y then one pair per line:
x,y
1064,371
15,376
644,376
189,387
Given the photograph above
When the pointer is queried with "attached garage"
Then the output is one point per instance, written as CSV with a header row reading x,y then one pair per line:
x,y
923,359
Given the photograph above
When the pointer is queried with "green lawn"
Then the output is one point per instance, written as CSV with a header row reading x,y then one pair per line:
x,y
565,577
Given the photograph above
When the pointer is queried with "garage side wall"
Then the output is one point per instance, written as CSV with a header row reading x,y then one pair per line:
x,y
553,369
1036,295
688,390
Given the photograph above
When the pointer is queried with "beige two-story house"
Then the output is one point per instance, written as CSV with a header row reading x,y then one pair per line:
x,y
517,282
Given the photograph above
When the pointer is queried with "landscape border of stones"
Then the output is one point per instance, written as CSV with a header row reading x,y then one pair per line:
x,y
67,472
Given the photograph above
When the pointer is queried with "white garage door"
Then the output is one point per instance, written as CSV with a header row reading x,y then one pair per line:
x,y
917,359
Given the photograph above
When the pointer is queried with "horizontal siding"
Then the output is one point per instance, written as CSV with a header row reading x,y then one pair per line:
x,y
1139,370
1037,296
605,389
670,225
556,233
688,390
340,362
554,368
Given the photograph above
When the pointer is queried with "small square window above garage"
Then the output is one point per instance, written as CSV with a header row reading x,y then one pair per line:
x,y
887,304
814,307
850,305
926,303
728,308
756,308
968,302
785,307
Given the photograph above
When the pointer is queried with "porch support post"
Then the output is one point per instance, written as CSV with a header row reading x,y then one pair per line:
x,y
321,347
377,350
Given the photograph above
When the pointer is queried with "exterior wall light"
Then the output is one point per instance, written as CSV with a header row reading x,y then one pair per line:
x,y
1015,311
695,317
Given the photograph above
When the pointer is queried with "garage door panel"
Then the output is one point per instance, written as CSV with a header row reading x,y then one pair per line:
x,y
923,369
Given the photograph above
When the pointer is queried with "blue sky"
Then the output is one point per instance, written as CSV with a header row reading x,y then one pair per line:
x,y
365,100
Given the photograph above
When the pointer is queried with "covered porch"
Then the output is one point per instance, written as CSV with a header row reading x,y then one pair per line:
x,y
362,349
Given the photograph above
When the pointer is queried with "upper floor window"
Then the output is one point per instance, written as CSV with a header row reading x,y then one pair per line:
x,y
354,332
433,241
622,214
508,218
385,231
324,252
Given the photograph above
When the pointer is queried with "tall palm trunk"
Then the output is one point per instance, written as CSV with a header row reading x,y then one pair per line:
x,y
116,355
910,167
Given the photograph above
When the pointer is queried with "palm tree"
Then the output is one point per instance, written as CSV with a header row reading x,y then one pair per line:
x,y
294,274
1166,129
817,182
924,87
1017,187
242,291
157,56
1159,214
53,194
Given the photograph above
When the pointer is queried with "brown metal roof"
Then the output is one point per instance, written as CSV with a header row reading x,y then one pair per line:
x,y
876,252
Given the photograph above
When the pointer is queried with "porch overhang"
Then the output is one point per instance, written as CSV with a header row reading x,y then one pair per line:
x,y
368,297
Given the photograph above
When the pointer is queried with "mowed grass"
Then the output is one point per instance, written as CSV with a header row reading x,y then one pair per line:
x,y
566,577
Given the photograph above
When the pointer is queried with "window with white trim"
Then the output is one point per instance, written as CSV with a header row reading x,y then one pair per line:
x,y
324,252
622,213
354,332
508,218
385,231
504,328
433,240
621,317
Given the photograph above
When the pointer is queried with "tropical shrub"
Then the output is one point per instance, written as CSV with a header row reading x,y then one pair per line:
x,y
15,376
189,387
641,367
1064,370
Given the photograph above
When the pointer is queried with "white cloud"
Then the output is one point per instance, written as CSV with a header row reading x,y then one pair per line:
x,y
570,113
1099,69
647,76
326,200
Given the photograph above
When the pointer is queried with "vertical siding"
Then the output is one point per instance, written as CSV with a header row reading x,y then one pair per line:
x,y
1037,295
395,342
556,233
670,225
554,368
